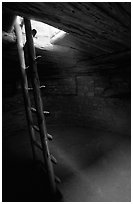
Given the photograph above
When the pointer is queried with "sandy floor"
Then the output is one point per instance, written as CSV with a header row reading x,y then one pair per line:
x,y
94,165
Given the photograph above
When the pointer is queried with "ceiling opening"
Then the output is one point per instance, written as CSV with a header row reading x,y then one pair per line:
x,y
45,33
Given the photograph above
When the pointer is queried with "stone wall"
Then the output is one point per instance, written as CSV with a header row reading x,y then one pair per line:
x,y
83,94
83,101
80,90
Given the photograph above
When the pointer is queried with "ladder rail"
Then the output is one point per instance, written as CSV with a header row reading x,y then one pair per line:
x,y
39,105
24,84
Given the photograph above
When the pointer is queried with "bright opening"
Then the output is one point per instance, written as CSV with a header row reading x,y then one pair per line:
x,y
45,35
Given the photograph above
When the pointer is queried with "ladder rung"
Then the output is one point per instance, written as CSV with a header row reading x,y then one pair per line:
x,y
41,87
27,67
38,57
46,112
30,89
53,159
50,137
57,179
34,111
36,128
37,144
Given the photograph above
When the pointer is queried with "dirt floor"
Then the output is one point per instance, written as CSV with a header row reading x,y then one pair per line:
x,y
93,165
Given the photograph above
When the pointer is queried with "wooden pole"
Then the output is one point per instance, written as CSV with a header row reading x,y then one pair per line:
x,y
24,84
39,106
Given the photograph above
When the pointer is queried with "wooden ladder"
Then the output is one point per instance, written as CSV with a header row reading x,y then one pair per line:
x,y
38,109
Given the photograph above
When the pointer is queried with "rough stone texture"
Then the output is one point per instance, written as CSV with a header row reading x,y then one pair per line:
x,y
86,109
93,165
87,74
87,78
88,22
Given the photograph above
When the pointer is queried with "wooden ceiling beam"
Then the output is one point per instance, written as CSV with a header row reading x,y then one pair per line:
x,y
116,12
126,7
83,20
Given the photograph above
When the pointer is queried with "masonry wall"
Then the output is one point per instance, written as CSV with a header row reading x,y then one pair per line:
x,y
80,90
82,94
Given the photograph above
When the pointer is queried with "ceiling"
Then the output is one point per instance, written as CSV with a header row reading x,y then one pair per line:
x,y
99,35
98,41
105,26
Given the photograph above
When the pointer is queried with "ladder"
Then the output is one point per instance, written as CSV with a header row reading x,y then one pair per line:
x,y
38,109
